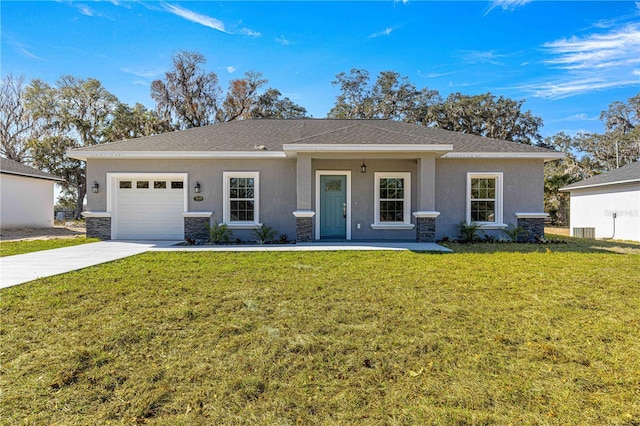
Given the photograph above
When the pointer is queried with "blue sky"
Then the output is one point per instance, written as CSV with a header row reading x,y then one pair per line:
x,y
569,60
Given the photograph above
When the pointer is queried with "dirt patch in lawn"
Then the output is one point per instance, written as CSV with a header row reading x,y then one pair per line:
x,y
63,230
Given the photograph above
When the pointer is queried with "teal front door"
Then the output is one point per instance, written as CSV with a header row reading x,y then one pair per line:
x,y
333,207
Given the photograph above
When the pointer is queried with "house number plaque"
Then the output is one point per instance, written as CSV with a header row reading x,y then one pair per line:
x,y
198,198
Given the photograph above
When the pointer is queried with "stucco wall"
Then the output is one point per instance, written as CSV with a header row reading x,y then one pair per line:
x,y
26,202
277,186
594,208
362,194
523,189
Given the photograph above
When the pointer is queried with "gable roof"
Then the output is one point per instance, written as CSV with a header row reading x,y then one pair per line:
x,y
284,137
625,174
11,167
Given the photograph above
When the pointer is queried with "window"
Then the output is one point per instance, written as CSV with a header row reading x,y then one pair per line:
x,y
142,184
392,200
125,184
241,203
177,184
159,184
484,198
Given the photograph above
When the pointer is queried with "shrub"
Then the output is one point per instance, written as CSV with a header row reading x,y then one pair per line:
x,y
219,233
514,232
468,231
264,233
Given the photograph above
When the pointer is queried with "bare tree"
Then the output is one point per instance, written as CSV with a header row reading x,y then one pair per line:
x,y
188,96
17,125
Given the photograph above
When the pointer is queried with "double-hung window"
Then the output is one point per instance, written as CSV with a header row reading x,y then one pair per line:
x,y
484,199
392,201
241,199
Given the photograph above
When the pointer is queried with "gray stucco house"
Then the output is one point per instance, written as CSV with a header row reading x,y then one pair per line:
x,y
312,179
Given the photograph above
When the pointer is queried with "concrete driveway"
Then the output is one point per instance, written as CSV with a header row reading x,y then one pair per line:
x,y
22,268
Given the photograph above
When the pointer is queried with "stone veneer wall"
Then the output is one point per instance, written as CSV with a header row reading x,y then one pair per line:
x,y
534,228
197,229
98,227
304,229
426,229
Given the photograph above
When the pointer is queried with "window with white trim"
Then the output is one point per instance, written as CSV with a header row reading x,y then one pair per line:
x,y
392,199
484,198
241,198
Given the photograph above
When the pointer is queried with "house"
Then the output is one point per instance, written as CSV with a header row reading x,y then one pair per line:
x,y
26,196
608,204
313,179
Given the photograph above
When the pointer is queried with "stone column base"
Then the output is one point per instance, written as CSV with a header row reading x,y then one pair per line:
x,y
533,223
304,225
98,227
426,226
196,227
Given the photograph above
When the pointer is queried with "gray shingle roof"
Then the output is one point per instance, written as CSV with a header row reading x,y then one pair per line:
x,y
272,134
628,173
11,167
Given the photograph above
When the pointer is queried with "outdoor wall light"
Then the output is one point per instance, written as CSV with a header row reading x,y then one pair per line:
x,y
95,188
363,168
196,189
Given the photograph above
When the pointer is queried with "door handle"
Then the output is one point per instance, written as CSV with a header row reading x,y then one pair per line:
x,y
344,210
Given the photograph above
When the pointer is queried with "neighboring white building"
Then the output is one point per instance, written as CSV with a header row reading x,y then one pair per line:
x,y
26,196
609,202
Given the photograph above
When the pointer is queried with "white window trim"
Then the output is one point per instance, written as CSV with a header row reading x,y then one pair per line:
x,y
226,207
498,222
406,223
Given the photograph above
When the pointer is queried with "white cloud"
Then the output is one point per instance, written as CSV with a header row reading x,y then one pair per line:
x,y
594,62
250,33
85,10
480,57
23,49
189,15
231,69
506,5
141,73
283,41
385,32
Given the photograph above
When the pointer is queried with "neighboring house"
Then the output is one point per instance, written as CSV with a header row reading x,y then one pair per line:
x,y
608,203
26,196
313,179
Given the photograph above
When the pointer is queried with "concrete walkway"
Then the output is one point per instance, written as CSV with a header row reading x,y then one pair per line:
x,y
22,268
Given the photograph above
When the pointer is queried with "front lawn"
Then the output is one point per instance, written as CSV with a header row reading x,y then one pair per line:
x,y
539,338
10,248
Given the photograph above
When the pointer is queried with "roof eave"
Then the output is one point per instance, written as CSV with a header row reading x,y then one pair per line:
x,y
595,185
546,156
186,155
52,178
291,150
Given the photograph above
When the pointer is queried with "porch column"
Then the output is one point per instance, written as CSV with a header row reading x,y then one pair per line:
x,y
304,214
425,213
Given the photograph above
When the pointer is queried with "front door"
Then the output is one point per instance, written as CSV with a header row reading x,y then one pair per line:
x,y
333,207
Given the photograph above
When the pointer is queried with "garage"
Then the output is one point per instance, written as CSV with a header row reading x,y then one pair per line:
x,y
149,207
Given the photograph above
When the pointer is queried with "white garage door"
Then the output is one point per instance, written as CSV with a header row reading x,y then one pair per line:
x,y
149,209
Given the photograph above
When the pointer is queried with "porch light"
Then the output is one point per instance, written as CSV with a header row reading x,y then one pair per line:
x,y
363,168
95,188
196,189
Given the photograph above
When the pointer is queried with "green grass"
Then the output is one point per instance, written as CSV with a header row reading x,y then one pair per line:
x,y
10,248
529,338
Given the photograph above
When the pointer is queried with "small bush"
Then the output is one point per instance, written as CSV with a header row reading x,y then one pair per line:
x,y
265,233
468,232
514,232
219,233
